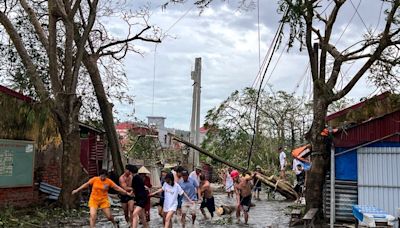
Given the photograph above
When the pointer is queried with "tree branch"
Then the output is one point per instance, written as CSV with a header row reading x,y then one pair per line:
x,y
327,38
82,41
53,57
36,24
136,37
384,42
26,59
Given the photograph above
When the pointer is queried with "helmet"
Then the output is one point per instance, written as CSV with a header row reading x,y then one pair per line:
x,y
234,173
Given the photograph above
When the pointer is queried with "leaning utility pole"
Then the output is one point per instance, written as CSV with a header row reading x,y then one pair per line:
x,y
195,121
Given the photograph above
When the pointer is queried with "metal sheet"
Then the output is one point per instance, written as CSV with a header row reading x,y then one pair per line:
x,y
379,177
345,197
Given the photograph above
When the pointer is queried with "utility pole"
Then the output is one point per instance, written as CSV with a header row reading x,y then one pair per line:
x,y
195,121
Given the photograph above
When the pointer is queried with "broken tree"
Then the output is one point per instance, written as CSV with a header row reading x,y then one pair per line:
x,y
284,188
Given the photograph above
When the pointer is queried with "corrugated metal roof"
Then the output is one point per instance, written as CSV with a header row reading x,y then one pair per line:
x,y
369,131
356,106
379,177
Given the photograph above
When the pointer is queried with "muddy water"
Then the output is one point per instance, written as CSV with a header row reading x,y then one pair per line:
x,y
266,213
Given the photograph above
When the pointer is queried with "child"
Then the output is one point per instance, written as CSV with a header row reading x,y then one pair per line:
x,y
171,191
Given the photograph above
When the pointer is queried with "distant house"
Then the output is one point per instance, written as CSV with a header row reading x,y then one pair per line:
x,y
367,156
126,129
25,124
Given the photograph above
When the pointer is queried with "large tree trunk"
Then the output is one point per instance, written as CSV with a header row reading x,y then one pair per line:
x,y
316,176
106,112
71,165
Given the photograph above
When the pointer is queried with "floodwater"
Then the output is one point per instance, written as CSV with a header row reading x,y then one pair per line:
x,y
266,213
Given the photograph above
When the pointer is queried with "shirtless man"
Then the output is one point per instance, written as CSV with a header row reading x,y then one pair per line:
x,y
206,193
125,181
243,194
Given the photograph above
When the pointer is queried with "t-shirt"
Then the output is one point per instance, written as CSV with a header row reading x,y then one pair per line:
x,y
189,187
195,177
171,196
301,177
100,188
138,186
295,163
282,158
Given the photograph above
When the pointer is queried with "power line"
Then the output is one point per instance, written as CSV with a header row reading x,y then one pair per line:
x,y
362,20
279,31
259,36
154,77
155,54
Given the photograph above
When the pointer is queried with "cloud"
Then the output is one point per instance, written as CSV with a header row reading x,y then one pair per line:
x,y
227,41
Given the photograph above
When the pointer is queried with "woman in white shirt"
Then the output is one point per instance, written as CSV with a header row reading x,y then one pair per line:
x,y
171,191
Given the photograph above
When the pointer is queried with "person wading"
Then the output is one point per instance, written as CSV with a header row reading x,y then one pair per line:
x,y
164,173
143,173
206,193
171,192
243,194
140,198
228,181
257,183
99,196
127,203
191,188
195,175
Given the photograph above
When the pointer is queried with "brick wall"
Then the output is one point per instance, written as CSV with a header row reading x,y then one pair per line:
x,y
18,196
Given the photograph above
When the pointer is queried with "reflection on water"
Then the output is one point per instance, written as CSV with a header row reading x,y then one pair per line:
x,y
264,214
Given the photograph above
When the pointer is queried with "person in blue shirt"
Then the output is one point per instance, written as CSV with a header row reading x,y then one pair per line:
x,y
191,188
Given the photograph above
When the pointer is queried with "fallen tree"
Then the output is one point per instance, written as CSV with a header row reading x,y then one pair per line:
x,y
284,188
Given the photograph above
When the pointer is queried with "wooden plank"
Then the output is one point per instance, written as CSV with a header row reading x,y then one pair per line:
x,y
310,214
296,212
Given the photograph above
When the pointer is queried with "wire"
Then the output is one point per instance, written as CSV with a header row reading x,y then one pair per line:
x,y
362,20
155,54
179,19
154,77
259,36
279,31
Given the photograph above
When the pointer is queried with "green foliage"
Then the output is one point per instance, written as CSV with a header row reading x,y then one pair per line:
x,y
142,147
39,216
282,120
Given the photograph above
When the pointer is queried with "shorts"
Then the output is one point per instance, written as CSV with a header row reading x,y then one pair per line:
x,y
209,204
125,198
245,202
140,201
229,188
257,189
180,198
298,188
100,203
188,208
161,202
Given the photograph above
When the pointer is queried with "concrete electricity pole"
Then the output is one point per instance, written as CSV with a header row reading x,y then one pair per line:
x,y
195,121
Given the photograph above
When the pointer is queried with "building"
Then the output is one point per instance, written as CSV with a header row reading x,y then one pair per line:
x,y
367,157
26,125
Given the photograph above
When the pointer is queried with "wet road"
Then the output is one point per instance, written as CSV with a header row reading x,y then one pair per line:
x,y
265,214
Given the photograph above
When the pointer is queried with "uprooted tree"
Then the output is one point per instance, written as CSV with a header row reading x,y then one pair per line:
x,y
67,34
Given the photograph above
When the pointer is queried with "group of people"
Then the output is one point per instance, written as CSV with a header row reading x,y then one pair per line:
x,y
180,194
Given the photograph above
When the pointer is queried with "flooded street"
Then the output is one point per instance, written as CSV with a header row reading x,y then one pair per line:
x,y
266,213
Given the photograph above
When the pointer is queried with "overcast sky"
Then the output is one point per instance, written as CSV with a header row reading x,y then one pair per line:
x,y
227,41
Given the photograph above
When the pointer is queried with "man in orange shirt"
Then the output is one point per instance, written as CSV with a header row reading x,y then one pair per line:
x,y
99,196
